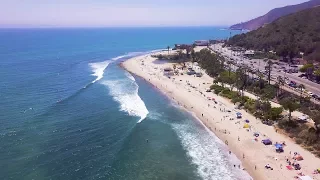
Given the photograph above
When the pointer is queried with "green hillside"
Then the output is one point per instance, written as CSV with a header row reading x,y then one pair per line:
x,y
287,36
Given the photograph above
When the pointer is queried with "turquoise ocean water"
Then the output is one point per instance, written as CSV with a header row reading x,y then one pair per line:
x,y
68,111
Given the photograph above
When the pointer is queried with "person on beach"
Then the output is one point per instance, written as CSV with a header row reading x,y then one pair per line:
x,y
238,138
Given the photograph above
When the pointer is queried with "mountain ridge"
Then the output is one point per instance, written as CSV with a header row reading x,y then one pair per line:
x,y
274,14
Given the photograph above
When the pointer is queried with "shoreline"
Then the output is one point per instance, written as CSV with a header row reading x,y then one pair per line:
x,y
238,140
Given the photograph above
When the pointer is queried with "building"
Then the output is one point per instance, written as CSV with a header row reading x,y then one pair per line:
x,y
249,53
201,43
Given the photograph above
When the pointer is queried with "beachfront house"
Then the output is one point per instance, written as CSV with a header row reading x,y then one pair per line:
x,y
168,72
249,53
202,43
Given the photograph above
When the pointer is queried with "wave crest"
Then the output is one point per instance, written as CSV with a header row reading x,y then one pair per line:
x,y
125,91
98,69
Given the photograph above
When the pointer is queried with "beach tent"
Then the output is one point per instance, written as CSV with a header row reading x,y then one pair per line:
x,y
279,147
246,126
305,178
266,142
289,167
239,115
298,157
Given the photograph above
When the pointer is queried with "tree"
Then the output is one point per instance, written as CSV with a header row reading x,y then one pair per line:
x,y
241,79
290,105
280,82
305,67
277,86
174,67
269,69
316,120
265,107
301,88
317,74
229,66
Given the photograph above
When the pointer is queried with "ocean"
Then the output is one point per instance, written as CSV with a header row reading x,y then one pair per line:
x,y
69,111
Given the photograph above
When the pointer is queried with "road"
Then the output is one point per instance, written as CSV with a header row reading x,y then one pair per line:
x,y
259,64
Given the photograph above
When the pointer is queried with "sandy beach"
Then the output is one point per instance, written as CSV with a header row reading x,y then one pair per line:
x,y
190,93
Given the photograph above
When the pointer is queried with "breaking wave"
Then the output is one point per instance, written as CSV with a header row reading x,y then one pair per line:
x,y
208,153
125,91
99,67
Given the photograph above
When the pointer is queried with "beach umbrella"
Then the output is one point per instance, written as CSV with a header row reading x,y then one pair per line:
x,y
246,126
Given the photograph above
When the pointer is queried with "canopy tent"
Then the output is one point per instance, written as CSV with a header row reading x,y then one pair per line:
x,y
305,178
266,142
239,115
278,146
246,126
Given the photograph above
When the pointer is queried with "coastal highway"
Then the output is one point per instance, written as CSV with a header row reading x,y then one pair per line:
x,y
259,64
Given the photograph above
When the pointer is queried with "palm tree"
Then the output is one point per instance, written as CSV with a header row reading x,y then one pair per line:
x,y
280,82
168,49
229,67
270,63
277,86
301,88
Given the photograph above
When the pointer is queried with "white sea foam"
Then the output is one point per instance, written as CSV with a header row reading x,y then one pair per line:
x,y
208,153
125,91
98,69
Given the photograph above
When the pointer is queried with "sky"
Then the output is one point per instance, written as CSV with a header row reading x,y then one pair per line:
x,y
128,13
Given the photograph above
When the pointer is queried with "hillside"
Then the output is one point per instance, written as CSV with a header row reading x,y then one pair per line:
x,y
289,35
275,14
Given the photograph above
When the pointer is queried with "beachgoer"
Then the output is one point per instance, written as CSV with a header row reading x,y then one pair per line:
x,y
147,140
255,167
243,156
229,152
238,138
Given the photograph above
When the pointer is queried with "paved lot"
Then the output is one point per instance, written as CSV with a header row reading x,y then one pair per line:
x,y
259,64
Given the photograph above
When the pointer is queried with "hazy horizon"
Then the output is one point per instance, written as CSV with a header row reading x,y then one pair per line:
x,y
134,13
